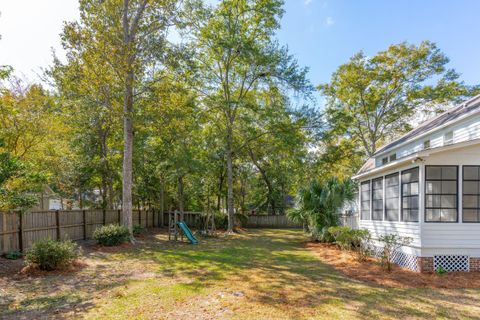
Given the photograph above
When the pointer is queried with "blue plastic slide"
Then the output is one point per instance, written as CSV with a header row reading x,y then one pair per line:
x,y
187,232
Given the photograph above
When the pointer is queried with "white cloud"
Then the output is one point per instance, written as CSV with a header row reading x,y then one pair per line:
x,y
329,21
307,2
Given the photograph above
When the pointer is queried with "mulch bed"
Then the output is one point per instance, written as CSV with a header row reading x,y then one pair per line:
x,y
371,271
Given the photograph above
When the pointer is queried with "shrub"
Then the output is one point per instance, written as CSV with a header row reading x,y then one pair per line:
x,y
362,243
343,237
350,239
391,243
111,235
241,220
319,203
50,254
441,270
13,255
138,229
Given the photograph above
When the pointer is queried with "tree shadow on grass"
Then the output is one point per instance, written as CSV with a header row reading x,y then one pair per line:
x,y
281,274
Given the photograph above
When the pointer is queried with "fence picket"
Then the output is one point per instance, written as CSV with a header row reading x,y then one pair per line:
x,y
19,231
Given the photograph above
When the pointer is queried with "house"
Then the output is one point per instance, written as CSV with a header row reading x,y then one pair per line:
x,y
426,186
47,200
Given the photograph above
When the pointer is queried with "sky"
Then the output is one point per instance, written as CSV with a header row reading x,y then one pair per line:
x,y
322,34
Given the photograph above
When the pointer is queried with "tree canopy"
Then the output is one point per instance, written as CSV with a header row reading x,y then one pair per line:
x,y
185,105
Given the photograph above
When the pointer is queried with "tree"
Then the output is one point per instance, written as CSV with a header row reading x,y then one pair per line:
x,y
373,99
274,140
129,39
234,53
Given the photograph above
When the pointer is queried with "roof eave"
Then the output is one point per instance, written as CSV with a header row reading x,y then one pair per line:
x,y
418,155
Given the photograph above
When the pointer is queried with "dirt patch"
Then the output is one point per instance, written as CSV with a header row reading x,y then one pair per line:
x,y
371,271
8,267
112,249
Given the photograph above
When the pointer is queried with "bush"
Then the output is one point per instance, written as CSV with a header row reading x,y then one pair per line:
x,y
350,239
343,237
241,220
221,220
391,243
362,243
138,229
13,255
111,235
50,255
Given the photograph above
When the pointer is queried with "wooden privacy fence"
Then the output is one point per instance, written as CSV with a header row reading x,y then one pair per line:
x,y
19,231
271,221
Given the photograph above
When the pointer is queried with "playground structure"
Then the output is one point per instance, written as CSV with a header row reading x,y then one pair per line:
x,y
177,228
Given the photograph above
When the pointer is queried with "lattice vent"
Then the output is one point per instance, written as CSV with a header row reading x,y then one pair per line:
x,y
400,258
405,260
452,263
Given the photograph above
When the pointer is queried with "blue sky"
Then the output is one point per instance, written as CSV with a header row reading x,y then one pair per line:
x,y
323,34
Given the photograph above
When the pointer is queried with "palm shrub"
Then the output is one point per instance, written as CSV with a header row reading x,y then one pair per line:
x,y
319,205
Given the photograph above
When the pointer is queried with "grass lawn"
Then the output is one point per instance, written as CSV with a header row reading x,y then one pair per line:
x,y
262,274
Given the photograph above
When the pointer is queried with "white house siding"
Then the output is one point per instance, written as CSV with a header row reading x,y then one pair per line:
x,y
467,129
404,229
452,238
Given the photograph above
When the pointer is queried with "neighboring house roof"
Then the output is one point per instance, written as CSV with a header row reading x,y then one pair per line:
x,y
450,116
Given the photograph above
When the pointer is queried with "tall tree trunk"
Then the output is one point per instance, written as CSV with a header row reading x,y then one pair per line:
x,y
230,208
180,196
220,188
127,124
162,202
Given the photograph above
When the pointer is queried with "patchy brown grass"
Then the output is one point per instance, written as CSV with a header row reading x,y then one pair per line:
x,y
257,274
370,271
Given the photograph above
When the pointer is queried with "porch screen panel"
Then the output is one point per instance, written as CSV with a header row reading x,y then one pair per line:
x,y
377,199
441,191
410,195
365,200
471,194
392,194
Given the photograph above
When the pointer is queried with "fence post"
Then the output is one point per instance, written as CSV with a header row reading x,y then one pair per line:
x,y
84,214
104,216
118,216
140,217
5,230
20,231
57,220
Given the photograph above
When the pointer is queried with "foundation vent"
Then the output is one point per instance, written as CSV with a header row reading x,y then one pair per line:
x,y
452,263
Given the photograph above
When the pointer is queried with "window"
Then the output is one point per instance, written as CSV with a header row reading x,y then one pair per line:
x,y
385,160
441,194
393,157
448,138
426,144
410,195
391,197
377,199
471,194
365,200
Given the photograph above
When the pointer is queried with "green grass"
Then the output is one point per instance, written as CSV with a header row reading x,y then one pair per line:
x,y
264,274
